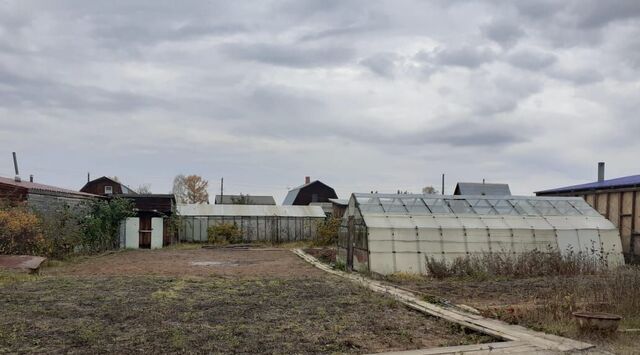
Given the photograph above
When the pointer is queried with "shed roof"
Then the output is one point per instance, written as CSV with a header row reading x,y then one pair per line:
x,y
125,189
253,200
617,183
481,188
249,210
36,187
339,201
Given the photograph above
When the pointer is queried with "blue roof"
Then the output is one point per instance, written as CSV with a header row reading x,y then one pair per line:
x,y
606,184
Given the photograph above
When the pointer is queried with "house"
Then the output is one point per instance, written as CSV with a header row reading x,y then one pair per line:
x,y
151,227
394,233
42,198
310,191
616,199
106,186
244,200
481,189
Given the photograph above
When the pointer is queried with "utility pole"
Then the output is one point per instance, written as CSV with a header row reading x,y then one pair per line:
x,y
442,184
88,176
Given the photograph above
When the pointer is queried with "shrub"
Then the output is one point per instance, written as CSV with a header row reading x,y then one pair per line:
x,y
62,229
225,233
101,226
327,231
21,232
528,264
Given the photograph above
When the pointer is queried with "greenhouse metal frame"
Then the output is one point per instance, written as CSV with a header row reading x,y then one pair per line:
x,y
275,224
389,233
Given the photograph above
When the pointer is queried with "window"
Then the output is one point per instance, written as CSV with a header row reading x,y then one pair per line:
x,y
108,190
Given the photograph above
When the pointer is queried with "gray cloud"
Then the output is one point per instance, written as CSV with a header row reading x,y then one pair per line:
x,y
382,64
289,55
461,56
531,59
283,89
505,33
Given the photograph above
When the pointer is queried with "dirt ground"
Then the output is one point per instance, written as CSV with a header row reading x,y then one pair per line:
x,y
193,262
213,301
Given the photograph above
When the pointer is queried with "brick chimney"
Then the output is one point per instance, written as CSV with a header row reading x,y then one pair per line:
x,y
307,179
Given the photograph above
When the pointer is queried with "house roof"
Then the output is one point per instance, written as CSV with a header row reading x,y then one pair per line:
x,y
482,189
252,200
131,191
621,182
36,187
293,193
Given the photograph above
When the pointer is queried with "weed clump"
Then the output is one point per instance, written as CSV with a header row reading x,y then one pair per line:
x,y
224,233
533,263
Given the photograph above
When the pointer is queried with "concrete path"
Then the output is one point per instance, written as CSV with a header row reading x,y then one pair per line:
x,y
518,338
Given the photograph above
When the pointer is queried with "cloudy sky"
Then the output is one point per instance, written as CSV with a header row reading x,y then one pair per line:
x,y
364,95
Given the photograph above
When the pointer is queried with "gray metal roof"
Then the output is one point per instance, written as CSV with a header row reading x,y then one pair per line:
x,y
482,189
339,201
252,200
293,193
250,210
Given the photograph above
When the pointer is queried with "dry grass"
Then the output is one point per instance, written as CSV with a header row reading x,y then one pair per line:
x,y
540,291
268,302
212,315
532,263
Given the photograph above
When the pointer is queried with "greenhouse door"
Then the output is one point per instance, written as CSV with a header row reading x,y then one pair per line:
x,y
350,243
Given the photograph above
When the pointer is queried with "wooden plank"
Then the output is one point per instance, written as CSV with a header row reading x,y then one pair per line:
x,y
489,326
507,347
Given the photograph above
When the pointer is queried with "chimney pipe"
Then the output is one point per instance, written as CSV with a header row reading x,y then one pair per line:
x,y
31,178
601,171
15,166
307,179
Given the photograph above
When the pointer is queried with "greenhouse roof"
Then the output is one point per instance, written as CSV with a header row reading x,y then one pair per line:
x,y
410,204
250,210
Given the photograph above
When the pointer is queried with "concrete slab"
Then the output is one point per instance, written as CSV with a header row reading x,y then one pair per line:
x,y
26,263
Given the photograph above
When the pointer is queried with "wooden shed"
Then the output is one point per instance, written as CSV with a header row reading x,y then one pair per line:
x,y
618,200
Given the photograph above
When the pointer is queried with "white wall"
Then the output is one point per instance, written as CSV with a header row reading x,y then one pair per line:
x,y
156,233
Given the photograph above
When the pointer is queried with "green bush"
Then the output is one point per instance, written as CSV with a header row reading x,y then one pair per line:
x,y
101,226
225,233
327,231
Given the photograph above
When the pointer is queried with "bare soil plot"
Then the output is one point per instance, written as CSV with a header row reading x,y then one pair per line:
x,y
232,301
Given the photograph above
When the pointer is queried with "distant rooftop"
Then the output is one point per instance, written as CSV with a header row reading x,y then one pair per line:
x,y
621,182
482,189
36,187
249,199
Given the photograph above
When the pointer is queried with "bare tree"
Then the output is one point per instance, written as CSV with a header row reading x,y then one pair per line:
x,y
429,190
190,189
144,189
179,189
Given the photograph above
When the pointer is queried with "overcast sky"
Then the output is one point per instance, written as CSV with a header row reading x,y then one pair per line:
x,y
363,95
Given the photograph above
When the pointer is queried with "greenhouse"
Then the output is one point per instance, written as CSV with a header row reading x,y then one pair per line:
x,y
256,222
389,233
